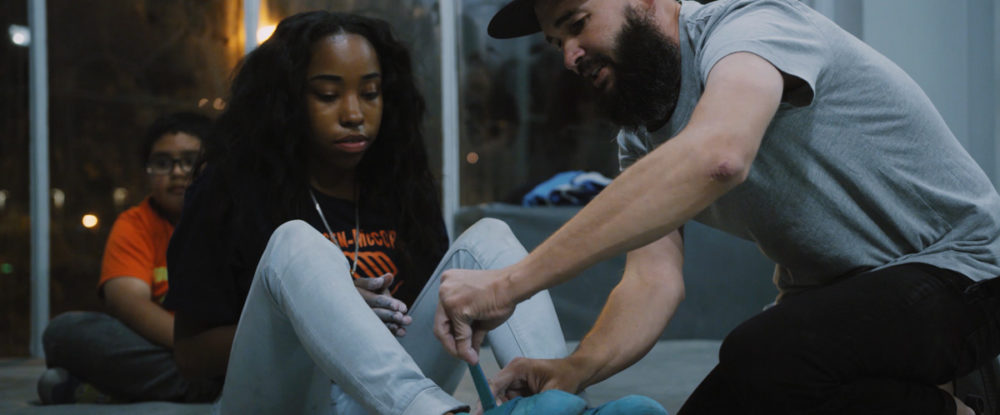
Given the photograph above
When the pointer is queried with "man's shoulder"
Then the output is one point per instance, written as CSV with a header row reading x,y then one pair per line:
x,y
703,19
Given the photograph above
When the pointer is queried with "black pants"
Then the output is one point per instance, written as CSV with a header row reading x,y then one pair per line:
x,y
875,343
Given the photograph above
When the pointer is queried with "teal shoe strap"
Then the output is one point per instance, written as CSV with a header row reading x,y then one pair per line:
x,y
482,387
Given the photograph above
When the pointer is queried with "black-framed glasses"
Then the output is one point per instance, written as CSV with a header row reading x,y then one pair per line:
x,y
164,164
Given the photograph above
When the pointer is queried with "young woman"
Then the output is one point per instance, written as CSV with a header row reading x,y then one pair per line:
x,y
316,228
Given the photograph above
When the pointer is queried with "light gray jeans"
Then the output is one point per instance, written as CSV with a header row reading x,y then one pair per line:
x,y
304,325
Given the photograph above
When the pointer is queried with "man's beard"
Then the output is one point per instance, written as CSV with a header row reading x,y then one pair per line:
x,y
646,75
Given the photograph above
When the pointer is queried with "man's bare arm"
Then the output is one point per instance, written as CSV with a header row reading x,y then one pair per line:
x,y
650,199
637,311
668,186
633,318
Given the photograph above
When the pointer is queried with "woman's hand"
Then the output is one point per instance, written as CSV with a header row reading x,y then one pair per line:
x,y
526,377
391,311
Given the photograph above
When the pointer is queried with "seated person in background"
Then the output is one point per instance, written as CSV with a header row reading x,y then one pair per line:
x,y
126,355
306,263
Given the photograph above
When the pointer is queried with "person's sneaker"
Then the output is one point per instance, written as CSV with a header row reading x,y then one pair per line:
x,y
56,386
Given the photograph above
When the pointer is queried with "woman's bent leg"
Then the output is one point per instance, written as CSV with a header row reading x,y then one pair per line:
x,y
304,324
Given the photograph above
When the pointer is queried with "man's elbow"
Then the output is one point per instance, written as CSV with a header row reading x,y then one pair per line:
x,y
728,167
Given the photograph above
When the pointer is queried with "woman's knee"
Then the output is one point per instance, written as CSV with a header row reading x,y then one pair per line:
x,y
291,231
294,244
494,232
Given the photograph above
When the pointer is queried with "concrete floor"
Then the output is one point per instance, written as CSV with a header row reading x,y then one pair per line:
x,y
667,374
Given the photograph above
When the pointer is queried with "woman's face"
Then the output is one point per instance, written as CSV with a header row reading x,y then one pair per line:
x,y
343,98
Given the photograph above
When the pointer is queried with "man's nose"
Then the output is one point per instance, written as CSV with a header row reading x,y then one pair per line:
x,y
572,54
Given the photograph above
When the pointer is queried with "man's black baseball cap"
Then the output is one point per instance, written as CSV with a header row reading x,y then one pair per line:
x,y
516,19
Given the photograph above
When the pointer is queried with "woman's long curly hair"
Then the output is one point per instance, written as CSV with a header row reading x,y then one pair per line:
x,y
261,139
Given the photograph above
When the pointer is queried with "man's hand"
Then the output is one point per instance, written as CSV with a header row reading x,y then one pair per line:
x,y
470,305
526,377
391,311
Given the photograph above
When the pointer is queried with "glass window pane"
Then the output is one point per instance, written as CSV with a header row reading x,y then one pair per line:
x,y
15,256
524,118
114,67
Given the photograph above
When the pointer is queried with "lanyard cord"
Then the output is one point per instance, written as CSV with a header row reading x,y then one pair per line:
x,y
357,228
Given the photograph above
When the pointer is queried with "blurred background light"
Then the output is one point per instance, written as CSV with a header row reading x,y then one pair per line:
x,y
19,35
119,196
58,198
89,221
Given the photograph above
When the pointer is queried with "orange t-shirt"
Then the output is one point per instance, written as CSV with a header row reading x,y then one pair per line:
x,y
137,247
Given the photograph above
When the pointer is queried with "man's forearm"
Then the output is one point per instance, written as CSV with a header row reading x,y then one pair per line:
x,y
636,313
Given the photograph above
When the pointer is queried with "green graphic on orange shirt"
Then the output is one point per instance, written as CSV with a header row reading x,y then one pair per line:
x,y
159,284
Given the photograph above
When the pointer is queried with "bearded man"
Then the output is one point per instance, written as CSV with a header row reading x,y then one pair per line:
x,y
766,120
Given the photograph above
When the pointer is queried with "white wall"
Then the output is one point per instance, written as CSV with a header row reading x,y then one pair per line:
x,y
950,49
996,93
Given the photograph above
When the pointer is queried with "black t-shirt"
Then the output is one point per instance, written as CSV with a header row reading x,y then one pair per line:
x,y
211,265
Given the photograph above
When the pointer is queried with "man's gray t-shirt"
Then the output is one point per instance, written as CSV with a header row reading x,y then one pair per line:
x,y
855,173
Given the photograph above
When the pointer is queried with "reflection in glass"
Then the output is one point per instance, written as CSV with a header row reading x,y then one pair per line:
x,y
525,116
114,67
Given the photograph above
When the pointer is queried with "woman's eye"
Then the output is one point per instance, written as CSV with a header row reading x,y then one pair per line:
x,y
324,96
371,95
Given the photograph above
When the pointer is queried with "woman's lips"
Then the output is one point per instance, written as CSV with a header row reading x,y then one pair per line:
x,y
352,144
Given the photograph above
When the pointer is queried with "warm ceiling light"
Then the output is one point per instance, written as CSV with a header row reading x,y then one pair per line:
x,y
264,32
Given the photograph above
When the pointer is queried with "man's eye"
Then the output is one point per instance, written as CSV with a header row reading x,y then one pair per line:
x,y
577,26
188,162
161,163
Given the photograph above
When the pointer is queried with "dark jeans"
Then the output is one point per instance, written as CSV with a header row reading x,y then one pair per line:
x,y
103,351
875,343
